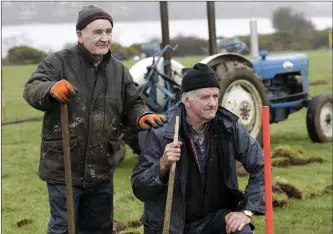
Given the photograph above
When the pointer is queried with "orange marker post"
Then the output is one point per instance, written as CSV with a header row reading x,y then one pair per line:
x,y
267,170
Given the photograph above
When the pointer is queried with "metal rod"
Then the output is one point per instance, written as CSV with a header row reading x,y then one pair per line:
x,y
165,36
68,170
254,38
211,28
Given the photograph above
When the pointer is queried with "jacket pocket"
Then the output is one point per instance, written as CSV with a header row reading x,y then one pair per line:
x,y
56,146
52,157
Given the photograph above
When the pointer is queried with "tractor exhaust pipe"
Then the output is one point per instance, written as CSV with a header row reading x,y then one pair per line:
x,y
254,38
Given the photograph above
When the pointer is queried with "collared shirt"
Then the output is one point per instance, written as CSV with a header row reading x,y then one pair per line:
x,y
200,143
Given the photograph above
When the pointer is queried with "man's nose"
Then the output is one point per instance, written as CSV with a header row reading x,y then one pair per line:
x,y
104,38
213,101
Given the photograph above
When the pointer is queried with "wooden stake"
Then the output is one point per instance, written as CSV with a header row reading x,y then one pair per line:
x,y
68,170
168,205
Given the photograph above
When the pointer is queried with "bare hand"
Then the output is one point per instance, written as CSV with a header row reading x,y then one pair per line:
x,y
171,154
235,221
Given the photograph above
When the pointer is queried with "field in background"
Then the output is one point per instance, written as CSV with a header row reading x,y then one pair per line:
x,y
24,196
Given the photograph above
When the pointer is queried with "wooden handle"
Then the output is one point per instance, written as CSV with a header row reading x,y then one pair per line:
x,y
168,205
68,170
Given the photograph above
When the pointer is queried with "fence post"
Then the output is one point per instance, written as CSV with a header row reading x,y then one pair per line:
x,y
3,105
330,40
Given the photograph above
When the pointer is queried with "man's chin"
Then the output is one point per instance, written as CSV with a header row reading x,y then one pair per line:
x,y
211,116
101,52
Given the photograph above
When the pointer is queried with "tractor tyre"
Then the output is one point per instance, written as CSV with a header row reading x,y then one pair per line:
x,y
243,93
319,118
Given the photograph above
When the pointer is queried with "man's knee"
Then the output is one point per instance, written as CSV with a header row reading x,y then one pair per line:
x,y
245,230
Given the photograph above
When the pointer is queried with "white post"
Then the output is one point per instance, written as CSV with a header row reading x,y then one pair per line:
x,y
254,38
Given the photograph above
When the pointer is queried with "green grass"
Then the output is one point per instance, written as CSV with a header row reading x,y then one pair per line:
x,y
24,196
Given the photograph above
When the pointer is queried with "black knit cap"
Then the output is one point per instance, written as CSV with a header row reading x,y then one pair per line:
x,y
90,13
198,77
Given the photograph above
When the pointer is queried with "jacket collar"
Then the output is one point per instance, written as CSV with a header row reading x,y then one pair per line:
x,y
89,57
224,117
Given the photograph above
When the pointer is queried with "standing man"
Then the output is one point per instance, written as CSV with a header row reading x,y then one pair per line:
x,y
206,198
101,95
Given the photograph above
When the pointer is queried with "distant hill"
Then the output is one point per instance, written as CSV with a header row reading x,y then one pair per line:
x,y
63,12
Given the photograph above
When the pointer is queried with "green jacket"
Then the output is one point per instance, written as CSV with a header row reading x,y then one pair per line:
x,y
106,99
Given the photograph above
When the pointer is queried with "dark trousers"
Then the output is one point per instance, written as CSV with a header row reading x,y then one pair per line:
x,y
213,223
93,209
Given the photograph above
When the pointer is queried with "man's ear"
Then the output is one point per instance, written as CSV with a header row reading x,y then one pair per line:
x,y
185,100
79,36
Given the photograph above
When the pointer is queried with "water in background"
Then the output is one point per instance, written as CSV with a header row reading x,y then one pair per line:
x,y
52,37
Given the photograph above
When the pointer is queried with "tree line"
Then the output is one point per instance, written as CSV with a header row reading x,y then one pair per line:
x,y
292,32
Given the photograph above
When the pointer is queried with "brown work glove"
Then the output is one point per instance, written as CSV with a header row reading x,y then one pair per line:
x,y
63,91
152,120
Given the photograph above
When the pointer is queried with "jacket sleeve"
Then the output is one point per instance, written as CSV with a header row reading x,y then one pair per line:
x,y
36,89
145,180
250,154
134,105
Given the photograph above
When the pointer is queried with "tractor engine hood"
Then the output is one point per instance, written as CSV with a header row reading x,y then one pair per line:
x,y
269,66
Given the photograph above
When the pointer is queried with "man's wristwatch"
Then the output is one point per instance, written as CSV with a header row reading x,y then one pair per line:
x,y
248,213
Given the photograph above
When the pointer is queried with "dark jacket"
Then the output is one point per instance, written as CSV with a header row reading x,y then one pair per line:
x,y
237,145
107,97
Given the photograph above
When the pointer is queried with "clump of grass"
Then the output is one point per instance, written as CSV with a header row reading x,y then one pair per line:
x,y
118,226
290,190
134,224
280,200
285,156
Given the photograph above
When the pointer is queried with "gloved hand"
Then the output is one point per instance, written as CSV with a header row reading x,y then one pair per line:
x,y
152,120
63,91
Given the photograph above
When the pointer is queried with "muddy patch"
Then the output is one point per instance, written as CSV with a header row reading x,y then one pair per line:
x,y
282,192
23,222
285,156
290,190
119,227
318,82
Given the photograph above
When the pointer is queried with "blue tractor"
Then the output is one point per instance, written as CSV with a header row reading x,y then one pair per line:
x,y
280,82
233,45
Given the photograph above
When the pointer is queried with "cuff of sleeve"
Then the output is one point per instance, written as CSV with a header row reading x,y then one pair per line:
x,y
157,175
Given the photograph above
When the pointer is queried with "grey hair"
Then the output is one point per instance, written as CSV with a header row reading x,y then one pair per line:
x,y
191,95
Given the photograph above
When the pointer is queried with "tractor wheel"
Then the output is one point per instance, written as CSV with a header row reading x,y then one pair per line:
x,y
319,118
243,93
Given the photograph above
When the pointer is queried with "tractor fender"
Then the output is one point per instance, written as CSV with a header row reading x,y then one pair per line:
x,y
139,69
216,59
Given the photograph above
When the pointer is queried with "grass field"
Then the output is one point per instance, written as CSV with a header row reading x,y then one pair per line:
x,y
24,196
